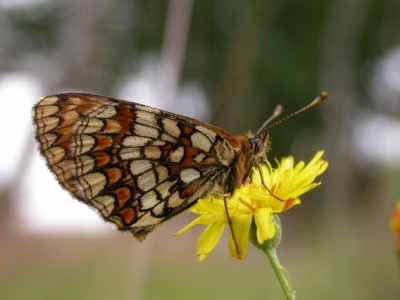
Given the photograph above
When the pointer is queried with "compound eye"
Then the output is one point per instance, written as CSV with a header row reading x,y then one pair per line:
x,y
257,145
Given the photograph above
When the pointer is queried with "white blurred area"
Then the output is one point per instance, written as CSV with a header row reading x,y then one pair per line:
x,y
376,131
143,87
42,205
385,86
20,3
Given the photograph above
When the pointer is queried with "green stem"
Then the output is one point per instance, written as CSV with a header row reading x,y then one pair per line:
x,y
269,248
281,273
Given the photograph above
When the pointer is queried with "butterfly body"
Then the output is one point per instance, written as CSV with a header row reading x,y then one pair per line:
x,y
138,166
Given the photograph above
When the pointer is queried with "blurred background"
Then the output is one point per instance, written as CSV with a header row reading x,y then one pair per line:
x,y
227,62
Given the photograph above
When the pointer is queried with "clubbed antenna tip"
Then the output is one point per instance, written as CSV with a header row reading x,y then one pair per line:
x,y
315,102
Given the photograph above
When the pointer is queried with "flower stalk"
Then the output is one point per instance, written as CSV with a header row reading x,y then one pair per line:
x,y
269,248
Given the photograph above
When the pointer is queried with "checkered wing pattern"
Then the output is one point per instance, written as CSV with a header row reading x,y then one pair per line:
x,y
137,166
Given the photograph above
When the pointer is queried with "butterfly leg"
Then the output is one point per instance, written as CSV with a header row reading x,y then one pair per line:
x,y
263,182
230,222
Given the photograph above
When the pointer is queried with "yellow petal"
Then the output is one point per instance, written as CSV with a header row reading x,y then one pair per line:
x,y
289,204
264,219
258,194
316,157
255,177
203,206
241,227
299,192
215,217
209,239
323,167
187,227
299,167
287,162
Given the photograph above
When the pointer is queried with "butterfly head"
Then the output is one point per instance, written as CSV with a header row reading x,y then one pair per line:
x,y
260,143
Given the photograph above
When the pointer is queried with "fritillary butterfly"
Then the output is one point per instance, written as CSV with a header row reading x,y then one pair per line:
x,y
139,166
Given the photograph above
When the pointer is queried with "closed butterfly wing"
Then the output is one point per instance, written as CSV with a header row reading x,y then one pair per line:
x,y
137,166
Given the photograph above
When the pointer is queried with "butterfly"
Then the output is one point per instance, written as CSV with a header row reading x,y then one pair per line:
x,y
136,165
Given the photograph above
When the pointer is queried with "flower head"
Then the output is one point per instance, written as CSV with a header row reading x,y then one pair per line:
x,y
395,225
269,191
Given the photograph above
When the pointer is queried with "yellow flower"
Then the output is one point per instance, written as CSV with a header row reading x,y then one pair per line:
x,y
253,201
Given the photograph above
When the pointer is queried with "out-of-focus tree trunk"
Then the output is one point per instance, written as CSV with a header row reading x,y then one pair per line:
x,y
241,57
339,76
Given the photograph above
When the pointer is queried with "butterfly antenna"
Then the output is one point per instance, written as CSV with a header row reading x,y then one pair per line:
x,y
277,113
262,133
315,102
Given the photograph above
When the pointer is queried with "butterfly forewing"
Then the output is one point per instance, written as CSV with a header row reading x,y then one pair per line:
x,y
137,165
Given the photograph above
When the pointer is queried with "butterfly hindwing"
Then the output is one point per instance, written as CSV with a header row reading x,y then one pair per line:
x,y
137,165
